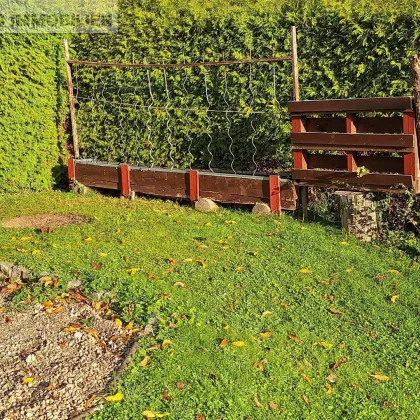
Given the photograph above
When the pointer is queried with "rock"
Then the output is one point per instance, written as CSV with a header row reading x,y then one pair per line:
x,y
358,215
73,284
15,272
206,205
261,208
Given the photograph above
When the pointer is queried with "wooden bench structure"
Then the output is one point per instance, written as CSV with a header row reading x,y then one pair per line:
x,y
385,146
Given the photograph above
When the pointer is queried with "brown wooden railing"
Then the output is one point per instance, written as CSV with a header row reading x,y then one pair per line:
x,y
373,153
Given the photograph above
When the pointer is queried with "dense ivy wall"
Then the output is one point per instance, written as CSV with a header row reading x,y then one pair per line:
x,y
30,104
347,49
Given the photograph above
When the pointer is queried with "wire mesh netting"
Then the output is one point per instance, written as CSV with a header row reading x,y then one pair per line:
x,y
203,115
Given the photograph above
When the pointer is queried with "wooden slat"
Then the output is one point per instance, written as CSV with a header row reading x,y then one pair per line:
x,y
98,176
244,190
173,184
345,177
351,105
344,141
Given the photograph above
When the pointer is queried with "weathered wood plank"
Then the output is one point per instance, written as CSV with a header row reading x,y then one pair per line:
x,y
98,176
244,190
345,141
401,103
345,177
168,183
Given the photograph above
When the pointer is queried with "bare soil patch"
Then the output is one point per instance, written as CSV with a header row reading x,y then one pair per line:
x,y
39,221
54,366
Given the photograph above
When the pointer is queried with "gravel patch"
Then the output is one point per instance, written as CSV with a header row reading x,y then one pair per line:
x,y
48,372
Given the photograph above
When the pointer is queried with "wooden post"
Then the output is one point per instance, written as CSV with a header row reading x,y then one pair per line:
x,y
125,180
194,186
71,172
300,161
71,100
274,185
351,129
416,79
295,69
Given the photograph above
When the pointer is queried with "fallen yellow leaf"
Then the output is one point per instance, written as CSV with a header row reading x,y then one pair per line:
x,y
202,263
325,344
129,326
92,332
257,403
133,271
240,269
166,342
379,377
145,361
28,380
238,344
208,224
36,252
266,334
102,254
230,222
118,231
305,271
88,239
180,284
25,238
148,414
266,313
118,322
188,260
344,243
328,388
70,329
306,377
393,271
119,396
394,298
349,270
294,338
336,312
223,343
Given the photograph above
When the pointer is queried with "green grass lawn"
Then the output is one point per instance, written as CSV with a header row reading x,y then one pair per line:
x,y
235,268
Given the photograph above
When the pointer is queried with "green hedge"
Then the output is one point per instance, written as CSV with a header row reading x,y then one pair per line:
x,y
346,49
31,140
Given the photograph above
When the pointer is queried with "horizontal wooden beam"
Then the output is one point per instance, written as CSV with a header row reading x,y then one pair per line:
x,y
401,103
334,178
178,65
344,141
